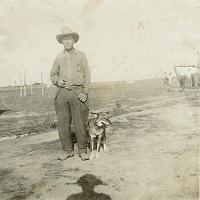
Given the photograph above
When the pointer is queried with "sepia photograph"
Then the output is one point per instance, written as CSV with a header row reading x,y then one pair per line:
x,y
99,99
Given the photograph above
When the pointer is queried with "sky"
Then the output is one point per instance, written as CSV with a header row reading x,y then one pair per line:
x,y
123,39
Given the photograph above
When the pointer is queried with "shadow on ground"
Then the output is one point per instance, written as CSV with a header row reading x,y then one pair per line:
x,y
88,182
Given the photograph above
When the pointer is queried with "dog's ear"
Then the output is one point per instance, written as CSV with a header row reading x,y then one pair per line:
x,y
109,121
95,115
107,114
90,115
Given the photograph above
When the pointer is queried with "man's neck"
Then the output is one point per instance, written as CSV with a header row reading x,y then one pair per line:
x,y
69,50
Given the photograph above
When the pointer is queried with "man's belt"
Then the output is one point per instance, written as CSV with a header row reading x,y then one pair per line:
x,y
73,87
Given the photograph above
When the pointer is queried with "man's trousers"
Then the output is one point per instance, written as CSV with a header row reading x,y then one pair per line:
x,y
69,108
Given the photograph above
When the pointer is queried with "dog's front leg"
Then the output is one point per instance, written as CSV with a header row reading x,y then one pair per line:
x,y
92,149
98,145
104,141
105,147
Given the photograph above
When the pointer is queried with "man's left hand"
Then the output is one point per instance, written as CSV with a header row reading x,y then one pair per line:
x,y
83,97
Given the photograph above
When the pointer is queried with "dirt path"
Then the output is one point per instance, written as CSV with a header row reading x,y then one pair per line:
x,y
153,156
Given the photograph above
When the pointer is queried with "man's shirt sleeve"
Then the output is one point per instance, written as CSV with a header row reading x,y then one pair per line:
x,y
54,74
87,75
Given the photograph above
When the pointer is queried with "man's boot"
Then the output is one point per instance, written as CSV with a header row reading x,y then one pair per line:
x,y
65,155
84,156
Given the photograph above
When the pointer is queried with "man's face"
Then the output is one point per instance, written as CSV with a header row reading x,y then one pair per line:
x,y
68,42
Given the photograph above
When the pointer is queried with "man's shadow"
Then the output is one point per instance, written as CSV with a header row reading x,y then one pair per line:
x,y
87,183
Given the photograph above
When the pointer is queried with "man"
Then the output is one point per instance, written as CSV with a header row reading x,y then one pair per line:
x,y
70,73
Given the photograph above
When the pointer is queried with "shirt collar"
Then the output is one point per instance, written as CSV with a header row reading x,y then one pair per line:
x,y
72,51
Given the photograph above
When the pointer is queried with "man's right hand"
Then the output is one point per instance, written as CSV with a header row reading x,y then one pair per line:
x,y
61,82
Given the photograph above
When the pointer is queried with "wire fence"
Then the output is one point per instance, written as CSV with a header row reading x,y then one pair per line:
x,y
17,98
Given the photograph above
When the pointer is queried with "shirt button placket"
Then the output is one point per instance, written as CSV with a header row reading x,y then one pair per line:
x,y
67,67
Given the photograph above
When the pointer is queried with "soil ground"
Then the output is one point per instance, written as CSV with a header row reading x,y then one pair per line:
x,y
153,155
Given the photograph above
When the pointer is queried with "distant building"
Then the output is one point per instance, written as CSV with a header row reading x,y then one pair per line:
x,y
188,76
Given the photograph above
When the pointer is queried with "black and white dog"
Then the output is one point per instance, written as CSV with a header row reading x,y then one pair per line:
x,y
96,127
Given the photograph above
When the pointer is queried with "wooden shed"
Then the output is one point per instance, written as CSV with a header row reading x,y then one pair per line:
x,y
188,76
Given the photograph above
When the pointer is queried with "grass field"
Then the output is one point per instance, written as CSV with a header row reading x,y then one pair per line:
x,y
34,114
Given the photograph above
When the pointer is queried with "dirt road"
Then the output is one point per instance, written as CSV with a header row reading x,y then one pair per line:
x,y
154,155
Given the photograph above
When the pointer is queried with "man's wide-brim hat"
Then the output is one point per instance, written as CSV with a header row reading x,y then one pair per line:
x,y
66,31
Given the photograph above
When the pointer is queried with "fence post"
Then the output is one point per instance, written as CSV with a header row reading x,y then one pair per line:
x,y
31,87
24,83
42,85
20,80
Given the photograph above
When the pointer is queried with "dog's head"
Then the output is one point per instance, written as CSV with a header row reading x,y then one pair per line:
x,y
102,120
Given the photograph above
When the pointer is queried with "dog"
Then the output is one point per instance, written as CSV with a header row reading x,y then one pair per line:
x,y
96,128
